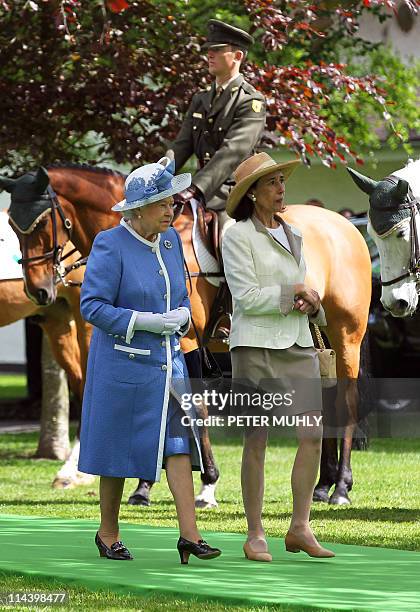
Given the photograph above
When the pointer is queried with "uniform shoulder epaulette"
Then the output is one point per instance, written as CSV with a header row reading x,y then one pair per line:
x,y
250,90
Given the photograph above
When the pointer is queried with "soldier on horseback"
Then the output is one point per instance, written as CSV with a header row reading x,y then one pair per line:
x,y
223,123
222,127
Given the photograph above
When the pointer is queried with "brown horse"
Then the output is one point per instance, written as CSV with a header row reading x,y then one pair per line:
x,y
338,267
43,230
68,335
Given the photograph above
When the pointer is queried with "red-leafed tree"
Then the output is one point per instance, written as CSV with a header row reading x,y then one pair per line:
x,y
109,80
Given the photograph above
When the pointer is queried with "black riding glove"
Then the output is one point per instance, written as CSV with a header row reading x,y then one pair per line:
x,y
188,194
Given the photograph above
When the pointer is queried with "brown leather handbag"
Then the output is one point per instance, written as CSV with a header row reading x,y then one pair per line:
x,y
327,361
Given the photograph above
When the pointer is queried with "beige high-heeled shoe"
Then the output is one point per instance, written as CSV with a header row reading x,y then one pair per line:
x,y
256,555
295,544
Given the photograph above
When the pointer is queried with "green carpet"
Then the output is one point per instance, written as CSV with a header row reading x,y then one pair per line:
x,y
358,578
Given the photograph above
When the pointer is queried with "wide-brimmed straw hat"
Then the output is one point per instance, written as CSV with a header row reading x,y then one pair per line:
x,y
151,183
252,169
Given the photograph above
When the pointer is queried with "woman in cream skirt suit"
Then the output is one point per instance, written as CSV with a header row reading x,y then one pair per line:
x,y
271,339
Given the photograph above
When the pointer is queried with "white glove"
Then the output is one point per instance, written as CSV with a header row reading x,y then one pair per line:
x,y
156,323
180,315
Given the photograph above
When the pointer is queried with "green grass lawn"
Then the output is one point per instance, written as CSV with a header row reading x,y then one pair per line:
x,y
12,386
83,599
385,510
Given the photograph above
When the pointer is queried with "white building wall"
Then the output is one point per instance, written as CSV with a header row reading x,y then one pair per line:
x,y
12,337
406,44
12,343
4,200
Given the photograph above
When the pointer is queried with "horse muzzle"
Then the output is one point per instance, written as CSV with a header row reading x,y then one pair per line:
x,y
401,305
42,296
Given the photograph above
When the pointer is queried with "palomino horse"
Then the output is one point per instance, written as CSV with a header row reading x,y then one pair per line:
x,y
394,225
338,267
69,337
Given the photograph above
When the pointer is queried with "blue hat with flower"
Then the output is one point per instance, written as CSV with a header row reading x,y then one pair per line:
x,y
152,183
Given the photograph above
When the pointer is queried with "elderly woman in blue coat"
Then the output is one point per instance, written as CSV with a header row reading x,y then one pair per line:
x,y
134,294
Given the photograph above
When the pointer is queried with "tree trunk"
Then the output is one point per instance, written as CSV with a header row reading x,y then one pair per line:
x,y
54,440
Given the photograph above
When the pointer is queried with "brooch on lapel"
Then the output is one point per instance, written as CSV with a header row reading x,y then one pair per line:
x,y
167,244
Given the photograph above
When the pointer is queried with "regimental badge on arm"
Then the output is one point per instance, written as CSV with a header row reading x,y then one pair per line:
x,y
256,106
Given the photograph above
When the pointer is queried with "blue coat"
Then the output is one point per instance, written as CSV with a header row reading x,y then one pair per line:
x,y
127,403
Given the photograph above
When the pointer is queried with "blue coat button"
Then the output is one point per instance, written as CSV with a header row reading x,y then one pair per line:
x,y
131,356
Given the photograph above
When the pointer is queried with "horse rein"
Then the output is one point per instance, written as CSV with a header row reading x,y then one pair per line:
x,y
55,253
413,204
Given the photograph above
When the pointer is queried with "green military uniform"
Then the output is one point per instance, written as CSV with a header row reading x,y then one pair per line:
x,y
223,133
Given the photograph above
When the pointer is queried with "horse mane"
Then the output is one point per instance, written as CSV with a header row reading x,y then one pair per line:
x,y
86,168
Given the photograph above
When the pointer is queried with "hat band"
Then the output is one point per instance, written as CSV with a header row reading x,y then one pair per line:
x,y
263,166
223,41
141,194
159,182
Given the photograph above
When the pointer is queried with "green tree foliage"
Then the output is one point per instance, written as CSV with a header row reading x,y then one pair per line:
x,y
326,33
110,79
80,82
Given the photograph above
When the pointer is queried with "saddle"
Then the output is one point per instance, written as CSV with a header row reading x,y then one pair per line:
x,y
218,325
208,226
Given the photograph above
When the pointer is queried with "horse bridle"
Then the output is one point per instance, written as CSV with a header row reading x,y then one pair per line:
x,y
60,271
413,204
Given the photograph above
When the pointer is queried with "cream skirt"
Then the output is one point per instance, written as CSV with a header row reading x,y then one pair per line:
x,y
293,371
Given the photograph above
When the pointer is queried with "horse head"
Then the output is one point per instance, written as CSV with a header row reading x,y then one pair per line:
x,y
394,226
33,219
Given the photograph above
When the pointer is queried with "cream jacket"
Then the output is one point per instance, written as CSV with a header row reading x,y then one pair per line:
x,y
261,274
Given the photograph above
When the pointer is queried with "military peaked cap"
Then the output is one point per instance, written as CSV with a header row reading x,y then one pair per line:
x,y
220,34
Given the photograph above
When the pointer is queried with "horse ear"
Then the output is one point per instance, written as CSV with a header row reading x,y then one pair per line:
x,y
400,190
42,180
7,183
364,183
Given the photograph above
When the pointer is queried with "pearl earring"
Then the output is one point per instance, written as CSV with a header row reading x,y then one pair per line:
x,y
253,198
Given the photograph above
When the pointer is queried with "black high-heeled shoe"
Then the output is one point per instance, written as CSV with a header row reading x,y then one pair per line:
x,y
117,551
201,550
